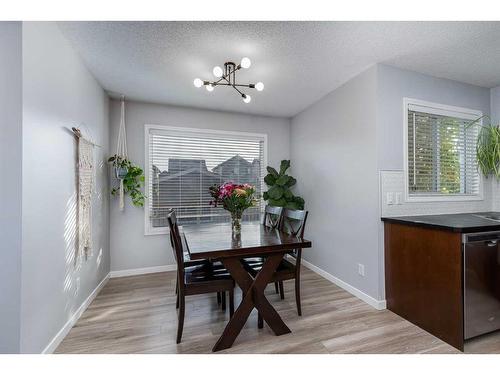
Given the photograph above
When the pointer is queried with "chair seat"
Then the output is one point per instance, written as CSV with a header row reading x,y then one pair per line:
x,y
189,262
214,275
285,270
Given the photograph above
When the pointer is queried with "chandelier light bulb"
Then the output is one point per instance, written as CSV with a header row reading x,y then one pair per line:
x,y
217,71
198,82
259,86
247,98
210,88
245,63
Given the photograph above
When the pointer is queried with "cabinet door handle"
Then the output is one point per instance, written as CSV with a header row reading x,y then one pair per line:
x,y
491,243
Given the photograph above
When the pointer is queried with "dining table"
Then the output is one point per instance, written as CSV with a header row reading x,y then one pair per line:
x,y
217,242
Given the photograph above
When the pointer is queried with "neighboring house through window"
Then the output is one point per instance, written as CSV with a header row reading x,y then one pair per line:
x,y
182,163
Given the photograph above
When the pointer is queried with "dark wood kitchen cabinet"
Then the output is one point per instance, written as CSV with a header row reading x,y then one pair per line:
x,y
423,279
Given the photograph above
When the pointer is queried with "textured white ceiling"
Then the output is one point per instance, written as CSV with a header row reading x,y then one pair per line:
x,y
299,62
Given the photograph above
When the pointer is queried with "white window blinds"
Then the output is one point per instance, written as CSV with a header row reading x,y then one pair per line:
x,y
183,165
441,153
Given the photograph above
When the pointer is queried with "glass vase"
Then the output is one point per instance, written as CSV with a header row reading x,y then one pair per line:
x,y
236,223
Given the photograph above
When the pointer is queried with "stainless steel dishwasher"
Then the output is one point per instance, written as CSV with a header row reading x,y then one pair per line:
x,y
481,283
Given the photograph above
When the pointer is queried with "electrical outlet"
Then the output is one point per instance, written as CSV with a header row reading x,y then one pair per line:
x,y
361,269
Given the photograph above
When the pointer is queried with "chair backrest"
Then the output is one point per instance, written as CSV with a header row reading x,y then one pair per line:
x,y
176,241
294,222
272,216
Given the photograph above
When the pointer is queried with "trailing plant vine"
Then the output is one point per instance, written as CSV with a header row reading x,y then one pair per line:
x,y
133,179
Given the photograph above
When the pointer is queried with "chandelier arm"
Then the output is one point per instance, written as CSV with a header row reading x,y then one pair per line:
x,y
234,87
250,85
229,77
228,74
225,76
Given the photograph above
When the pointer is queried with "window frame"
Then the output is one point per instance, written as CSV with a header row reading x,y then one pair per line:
x,y
440,109
186,130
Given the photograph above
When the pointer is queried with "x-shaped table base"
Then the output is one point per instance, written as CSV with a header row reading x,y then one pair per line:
x,y
253,296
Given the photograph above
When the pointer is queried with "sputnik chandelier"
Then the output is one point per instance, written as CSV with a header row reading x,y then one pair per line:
x,y
227,77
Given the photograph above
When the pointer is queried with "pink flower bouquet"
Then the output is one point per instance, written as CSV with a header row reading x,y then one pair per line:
x,y
234,198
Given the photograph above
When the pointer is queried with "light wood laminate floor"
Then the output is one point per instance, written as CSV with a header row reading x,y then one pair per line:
x,y
137,315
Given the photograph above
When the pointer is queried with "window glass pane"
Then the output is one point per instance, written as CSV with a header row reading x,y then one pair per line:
x,y
441,155
183,166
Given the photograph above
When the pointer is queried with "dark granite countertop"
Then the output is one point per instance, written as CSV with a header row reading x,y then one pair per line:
x,y
462,223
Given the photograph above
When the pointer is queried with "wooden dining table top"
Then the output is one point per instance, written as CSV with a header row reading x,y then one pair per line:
x,y
211,241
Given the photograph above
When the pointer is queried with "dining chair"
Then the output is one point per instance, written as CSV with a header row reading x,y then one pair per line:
x,y
221,298
292,222
271,219
272,216
196,279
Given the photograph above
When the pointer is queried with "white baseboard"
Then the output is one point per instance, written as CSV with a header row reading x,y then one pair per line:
x,y
54,343
143,271
379,305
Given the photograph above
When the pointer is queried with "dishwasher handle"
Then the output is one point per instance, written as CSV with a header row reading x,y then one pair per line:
x,y
488,238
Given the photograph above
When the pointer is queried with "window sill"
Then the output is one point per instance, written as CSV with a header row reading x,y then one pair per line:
x,y
154,232
455,198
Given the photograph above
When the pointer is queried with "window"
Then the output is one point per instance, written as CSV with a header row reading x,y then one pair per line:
x,y
182,163
440,152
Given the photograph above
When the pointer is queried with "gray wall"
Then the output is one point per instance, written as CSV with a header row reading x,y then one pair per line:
x,y
10,186
334,158
58,93
394,84
338,147
130,248
495,104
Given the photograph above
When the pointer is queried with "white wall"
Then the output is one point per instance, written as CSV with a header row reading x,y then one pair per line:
x,y
334,158
10,184
130,248
58,93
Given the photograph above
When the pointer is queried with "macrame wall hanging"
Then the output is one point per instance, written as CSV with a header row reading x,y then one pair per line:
x,y
86,171
121,151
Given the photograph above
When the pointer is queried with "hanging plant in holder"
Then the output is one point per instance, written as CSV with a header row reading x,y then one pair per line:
x,y
129,175
131,179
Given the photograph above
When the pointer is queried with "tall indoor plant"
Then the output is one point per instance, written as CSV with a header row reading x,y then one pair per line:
x,y
280,183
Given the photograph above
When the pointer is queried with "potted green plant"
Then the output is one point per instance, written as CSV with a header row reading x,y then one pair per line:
x,y
132,178
488,147
280,183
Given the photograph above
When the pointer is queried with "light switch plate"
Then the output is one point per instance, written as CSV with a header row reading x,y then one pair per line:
x,y
390,198
399,198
